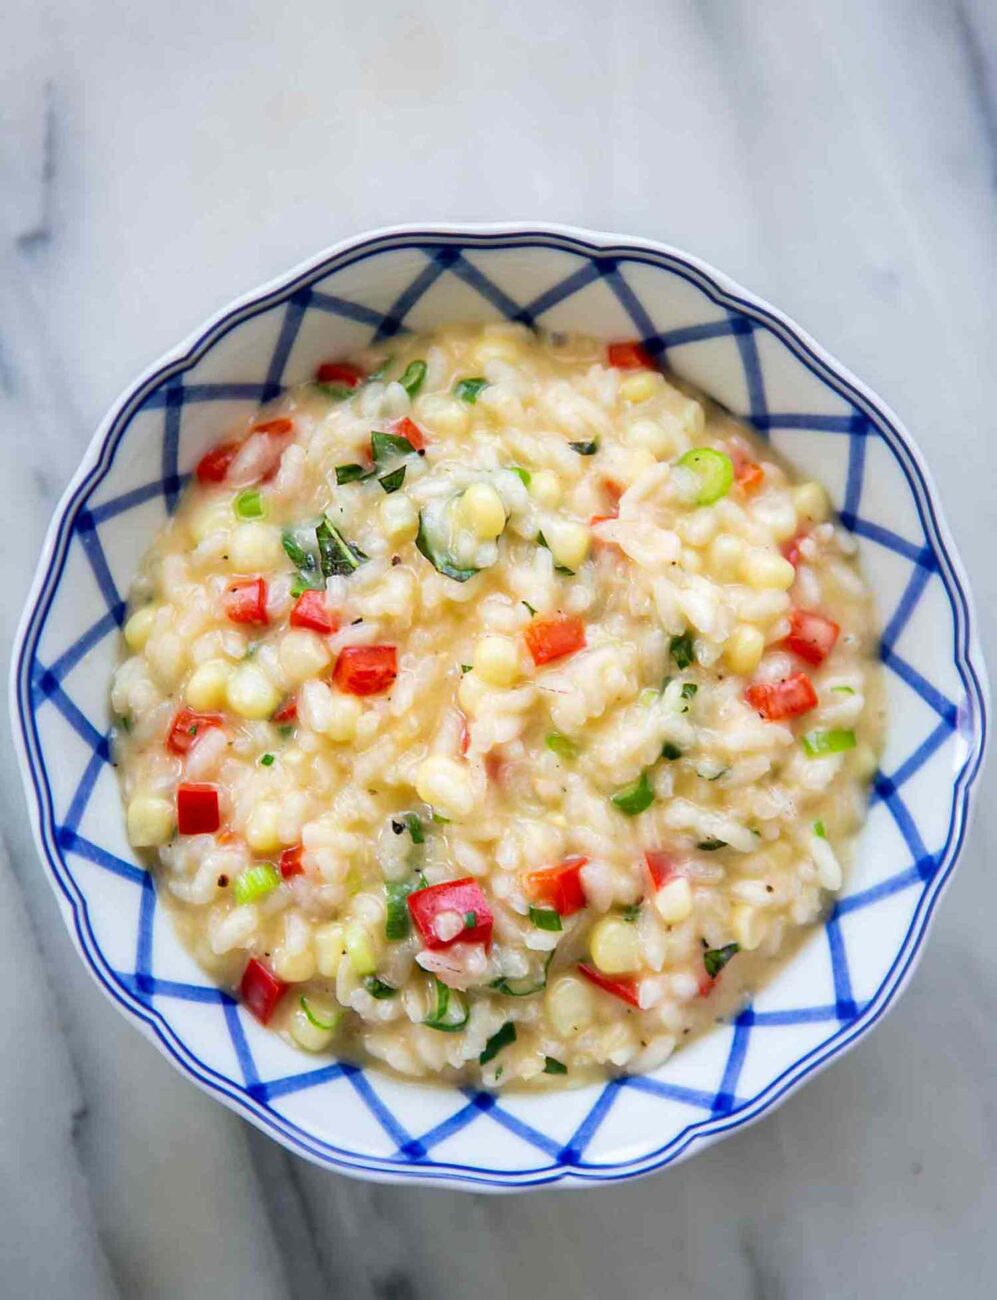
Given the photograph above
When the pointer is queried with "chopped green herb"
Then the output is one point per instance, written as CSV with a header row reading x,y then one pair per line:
x,y
249,505
256,882
634,798
553,1066
192,731
501,1038
449,1014
715,959
817,743
377,988
412,379
820,830
286,729
393,481
335,392
631,913
414,824
352,473
561,745
670,751
465,668
530,608
689,690
682,651
522,988
585,448
468,389
125,723
843,690
525,477
711,845
440,820
546,918
338,557
397,924
438,556
296,553
308,581
266,760
713,776
558,568
313,1019
714,470
389,446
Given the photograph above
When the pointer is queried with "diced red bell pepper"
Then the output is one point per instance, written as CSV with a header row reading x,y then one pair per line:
x,y
777,701
214,465
465,897
625,987
410,431
558,887
311,611
197,809
340,372
791,549
288,712
279,426
246,601
290,862
548,639
366,669
260,990
811,635
660,866
187,725
750,476
629,356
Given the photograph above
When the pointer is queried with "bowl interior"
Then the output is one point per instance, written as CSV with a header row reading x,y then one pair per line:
x,y
741,353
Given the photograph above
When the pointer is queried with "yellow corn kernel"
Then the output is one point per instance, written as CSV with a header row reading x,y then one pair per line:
x,y
261,828
254,548
570,1006
211,518
545,489
749,925
725,557
496,660
445,785
615,946
167,655
302,654
150,821
294,967
399,518
811,502
657,438
481,510
447,416
766,570
312,1036
569,543
207,686
251,693
673,901
641,386
360,949
330,949
497,348
744,648
139,627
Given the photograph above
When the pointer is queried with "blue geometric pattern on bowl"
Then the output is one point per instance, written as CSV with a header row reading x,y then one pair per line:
x,y
763,368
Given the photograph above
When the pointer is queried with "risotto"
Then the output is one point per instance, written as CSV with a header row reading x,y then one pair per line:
x,y
495,708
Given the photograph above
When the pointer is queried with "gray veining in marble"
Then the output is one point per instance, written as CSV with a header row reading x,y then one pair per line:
x,y
838,157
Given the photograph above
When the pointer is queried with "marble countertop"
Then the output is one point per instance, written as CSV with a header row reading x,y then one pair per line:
x,y
155,161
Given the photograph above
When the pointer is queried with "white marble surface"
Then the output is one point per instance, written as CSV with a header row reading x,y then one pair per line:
x,y
838,157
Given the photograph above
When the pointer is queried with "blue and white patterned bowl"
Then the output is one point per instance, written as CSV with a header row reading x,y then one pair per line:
x,y
740,351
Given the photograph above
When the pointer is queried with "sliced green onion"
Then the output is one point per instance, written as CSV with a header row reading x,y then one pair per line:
x,y
266,760
449,1014
713,469
561,745
524,475
378,989
843,690
670,751
711,845
585,448
335,392
352,473
715,959
553,1066
817,743
501,1038
468,389
412,379
546,918
820,830
634,798
393,481
313,1019
388,446
338,557
255,883
249,504
440,820
414,823
681,649
397,924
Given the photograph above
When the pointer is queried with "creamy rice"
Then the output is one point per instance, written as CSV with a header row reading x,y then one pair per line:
x,y
497,709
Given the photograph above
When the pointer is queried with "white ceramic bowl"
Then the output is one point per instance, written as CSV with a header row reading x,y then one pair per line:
x,y
741,352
